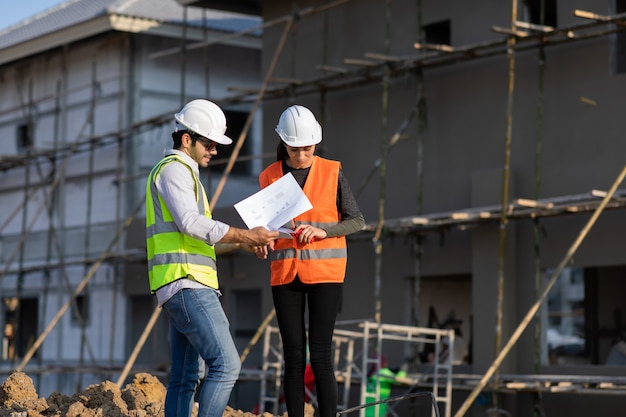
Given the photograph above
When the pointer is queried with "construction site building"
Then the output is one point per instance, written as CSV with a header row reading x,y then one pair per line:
x,y
483,141
86,110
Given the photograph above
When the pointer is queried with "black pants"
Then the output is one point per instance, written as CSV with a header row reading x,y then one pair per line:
x,y
323,301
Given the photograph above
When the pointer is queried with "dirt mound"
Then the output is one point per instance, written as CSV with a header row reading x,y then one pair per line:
x,y
143,397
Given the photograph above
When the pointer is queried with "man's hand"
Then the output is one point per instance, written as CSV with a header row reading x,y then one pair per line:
x,y
263,251
260,236
249,240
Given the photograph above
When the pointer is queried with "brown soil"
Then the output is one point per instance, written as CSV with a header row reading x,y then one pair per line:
x,y
144,397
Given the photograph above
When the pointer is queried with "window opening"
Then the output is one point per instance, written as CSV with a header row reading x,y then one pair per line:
x,y
438,33
235,121
618,40
533,9
583,317
82,305
24,137
20,326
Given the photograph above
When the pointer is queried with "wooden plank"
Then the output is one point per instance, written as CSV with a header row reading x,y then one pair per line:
x,y
533,203
382,57
363,62
589,101
534,26
591,16
434,47
507,31
520,385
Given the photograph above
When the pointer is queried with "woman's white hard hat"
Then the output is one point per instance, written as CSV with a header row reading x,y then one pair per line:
x,y
204,118
298,127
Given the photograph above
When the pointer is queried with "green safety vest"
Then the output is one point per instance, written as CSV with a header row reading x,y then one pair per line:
x,y
385,378
173,255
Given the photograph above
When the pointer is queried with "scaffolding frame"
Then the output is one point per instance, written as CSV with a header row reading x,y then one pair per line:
x,y
356,361
527,35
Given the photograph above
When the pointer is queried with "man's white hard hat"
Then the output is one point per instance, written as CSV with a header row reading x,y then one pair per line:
x,y
204,118
298,127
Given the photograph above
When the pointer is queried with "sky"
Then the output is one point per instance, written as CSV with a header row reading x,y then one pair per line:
x,y
12,12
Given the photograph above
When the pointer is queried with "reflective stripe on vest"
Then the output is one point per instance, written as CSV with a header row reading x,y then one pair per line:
x,y
322,261
172,254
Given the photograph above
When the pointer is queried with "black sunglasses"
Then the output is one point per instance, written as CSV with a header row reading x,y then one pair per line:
x,y
207,143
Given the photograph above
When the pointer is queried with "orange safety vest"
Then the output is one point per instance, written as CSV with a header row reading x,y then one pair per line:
x,y
321,261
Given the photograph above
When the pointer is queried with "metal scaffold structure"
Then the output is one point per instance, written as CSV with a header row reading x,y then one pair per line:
x,y
354,363
358,345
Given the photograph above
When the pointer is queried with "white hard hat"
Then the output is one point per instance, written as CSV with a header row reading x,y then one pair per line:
x,y
204,118
298,127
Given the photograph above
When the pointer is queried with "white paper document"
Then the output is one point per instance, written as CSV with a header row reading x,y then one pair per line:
x,y
274,205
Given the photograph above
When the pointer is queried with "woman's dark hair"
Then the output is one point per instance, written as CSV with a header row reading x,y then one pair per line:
x,y
281,151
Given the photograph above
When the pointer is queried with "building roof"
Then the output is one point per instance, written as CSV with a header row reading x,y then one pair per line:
x,y
242,6
71,20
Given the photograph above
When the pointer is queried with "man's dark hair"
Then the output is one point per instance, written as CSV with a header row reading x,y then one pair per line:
x,y
177,137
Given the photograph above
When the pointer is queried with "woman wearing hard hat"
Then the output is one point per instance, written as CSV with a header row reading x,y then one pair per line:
x,y
311,265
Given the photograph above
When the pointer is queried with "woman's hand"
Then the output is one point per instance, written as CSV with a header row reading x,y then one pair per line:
x,y
305,233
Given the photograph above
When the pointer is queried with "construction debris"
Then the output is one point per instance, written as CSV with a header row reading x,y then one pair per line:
x,y
143,397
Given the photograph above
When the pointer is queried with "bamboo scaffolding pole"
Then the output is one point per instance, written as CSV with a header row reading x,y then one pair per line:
x,y
257,335
505,188
413,350
378,244
535,307
244,133
393,141
20,262
538,146
137,349
88,209
119,169
50,240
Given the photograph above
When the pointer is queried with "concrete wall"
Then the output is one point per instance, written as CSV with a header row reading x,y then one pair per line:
x,y
463,158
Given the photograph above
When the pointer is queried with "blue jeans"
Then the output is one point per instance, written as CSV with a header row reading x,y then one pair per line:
x,y
200,342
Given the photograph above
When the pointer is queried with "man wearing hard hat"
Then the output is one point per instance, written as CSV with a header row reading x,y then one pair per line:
x,y
181,245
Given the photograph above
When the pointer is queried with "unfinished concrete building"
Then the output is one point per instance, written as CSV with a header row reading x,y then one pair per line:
x,y
86,107
483,142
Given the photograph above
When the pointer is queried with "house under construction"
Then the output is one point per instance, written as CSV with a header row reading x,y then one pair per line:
x,y
484,144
